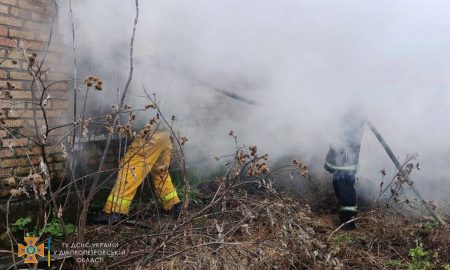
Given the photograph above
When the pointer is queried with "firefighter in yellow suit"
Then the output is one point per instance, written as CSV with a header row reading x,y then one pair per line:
x,y
145,156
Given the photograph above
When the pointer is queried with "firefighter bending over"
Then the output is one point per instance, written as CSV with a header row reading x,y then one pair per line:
x,y
148,154
342,161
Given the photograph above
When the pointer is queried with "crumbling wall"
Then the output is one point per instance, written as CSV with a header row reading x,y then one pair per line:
x,y
25,27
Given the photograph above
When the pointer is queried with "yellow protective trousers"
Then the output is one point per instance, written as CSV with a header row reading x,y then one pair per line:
x,y
143,157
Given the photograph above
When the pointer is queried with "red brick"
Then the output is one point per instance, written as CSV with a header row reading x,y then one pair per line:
x,y
33,45
11,21
35,160
21,94
51,55
27,35
3,133
21,171
7,42
30,122
18,105
14,123
9,2
32,5
29,114
9,64
18,85
15,142
5,153
25,114
31,152
52,149
12,104
40,16
42,27
59,158
20,75
17,54
4,9
15,12
4,103
29,132
15,114
15,162
3,74
3,31
21,13
56,113
21,34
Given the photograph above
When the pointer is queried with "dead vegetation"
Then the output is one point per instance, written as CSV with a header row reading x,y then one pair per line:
x,y
246,228
243,222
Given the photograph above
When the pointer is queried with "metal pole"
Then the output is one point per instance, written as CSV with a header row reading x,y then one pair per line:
x,y
400,169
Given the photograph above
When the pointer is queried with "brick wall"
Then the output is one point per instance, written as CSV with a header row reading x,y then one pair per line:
x,y
24,29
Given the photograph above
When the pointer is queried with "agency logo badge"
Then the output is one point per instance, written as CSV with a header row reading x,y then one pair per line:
x,y
31,250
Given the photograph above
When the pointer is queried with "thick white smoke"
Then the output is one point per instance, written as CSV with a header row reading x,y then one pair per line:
x,y
304,62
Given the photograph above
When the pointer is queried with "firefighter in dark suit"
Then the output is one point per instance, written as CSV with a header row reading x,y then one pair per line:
x,y
342,161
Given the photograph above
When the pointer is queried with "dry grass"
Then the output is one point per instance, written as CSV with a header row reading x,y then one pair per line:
x,y
266,230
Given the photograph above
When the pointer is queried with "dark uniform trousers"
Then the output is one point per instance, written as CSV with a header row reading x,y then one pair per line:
x,y
344,188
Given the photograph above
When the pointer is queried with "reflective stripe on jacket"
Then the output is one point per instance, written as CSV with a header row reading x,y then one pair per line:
x,y
342,160
349,208
344,155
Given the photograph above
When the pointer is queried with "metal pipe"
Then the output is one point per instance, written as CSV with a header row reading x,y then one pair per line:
x,y
400,169
226,92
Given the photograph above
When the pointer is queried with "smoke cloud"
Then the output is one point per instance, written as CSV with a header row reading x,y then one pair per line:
x,y
304,62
